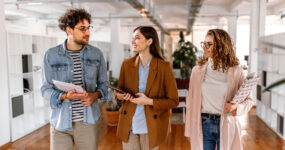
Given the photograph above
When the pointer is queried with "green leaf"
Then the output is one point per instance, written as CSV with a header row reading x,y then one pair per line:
x,y
275,84
185,54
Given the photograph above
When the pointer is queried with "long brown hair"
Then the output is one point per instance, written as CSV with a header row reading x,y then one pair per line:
x,y
223,51
150,33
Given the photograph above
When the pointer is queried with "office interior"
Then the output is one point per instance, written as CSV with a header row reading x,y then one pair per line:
x,y
30,27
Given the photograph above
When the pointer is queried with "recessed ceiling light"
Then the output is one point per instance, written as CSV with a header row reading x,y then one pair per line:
x,y
34,3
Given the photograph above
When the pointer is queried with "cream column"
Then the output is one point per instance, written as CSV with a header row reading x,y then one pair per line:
x,y
117,52
232,28
257,29
4,93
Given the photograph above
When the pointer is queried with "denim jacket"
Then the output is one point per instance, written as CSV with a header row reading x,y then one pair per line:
x,y
58,65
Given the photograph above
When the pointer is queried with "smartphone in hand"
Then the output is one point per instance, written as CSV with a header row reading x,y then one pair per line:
x,y
118,90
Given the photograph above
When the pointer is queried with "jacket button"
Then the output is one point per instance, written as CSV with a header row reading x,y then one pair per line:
x,y
154,116
125,112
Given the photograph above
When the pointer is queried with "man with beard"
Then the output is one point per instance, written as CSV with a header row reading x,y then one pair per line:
x,y
74,116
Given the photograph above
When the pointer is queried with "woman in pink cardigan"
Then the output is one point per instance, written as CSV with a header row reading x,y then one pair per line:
x,y
211,121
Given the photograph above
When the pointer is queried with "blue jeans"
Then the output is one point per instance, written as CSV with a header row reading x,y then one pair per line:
x,y
211,133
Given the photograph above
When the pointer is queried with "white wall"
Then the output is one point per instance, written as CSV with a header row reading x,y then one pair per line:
x,y
242,43
4,98
26,27
126,35
199,34
102,35
274,28
198,37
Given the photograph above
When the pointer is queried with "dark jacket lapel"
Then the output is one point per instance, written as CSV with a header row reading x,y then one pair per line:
x,y
152,74
134,72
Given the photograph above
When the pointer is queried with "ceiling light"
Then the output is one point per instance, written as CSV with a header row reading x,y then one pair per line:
x,y
143,10
145,15
34,3
14,13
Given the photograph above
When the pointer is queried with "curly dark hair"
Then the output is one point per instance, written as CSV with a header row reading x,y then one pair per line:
x,y
223,51
72,17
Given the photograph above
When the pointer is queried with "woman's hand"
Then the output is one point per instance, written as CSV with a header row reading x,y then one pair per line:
x,y
142,99
121,96
231,107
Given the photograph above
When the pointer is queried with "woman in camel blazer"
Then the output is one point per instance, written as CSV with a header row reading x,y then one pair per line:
x,y
211,121
144,121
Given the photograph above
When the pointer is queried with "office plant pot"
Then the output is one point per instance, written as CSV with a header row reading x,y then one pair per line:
x,y
112,116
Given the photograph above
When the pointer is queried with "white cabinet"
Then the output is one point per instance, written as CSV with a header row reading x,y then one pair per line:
x,y
271,107
29,111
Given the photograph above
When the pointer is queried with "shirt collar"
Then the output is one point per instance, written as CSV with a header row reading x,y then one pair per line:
x,y
148,64
63,49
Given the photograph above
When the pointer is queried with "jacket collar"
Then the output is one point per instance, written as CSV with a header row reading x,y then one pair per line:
x,y
152,72
202,69
152,66
63,48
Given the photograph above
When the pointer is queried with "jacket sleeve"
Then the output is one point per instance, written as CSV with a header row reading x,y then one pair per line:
x,y
102,80
48,91
170,87
187,117
121,80
245,106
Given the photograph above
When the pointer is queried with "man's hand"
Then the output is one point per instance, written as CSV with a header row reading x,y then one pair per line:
x,y
71,95
231,107
142,100
90,98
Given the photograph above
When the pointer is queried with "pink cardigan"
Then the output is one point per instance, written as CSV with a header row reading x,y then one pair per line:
x,y
230,129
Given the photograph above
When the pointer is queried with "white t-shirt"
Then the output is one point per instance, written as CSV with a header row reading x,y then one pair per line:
x,y
214,88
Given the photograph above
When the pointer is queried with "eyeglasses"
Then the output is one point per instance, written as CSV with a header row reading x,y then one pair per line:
x,y
84,29
206,44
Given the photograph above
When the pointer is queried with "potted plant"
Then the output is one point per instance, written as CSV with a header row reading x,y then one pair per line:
x,y
186,56
112,109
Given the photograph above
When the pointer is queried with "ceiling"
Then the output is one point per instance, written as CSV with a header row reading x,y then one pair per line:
x,y
168,15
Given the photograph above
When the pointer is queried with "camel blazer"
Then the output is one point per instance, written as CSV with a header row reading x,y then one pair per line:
x,y
230,129
161,87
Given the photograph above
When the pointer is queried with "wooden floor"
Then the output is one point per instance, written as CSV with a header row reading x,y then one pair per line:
x,y
256,136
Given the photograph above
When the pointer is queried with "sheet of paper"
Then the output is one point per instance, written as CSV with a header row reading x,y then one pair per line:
x,y
67,86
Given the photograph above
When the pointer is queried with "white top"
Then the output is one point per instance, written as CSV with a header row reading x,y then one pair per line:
x,y
214,88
